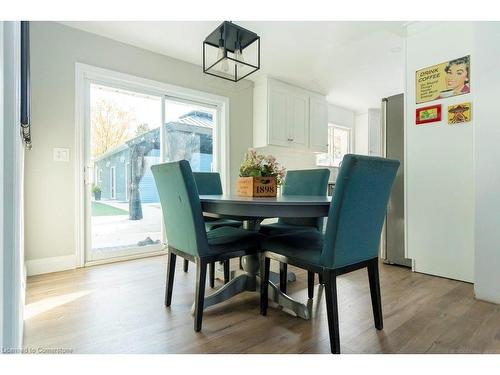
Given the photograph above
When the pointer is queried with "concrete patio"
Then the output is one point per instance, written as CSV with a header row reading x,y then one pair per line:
x,y
116,233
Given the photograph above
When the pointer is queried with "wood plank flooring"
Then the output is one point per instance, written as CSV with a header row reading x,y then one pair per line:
x,y
118,308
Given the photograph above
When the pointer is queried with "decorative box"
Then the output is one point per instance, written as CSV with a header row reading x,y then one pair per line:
x,y
257,186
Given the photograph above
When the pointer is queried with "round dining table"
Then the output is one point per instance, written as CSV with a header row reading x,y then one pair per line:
x,y
251,211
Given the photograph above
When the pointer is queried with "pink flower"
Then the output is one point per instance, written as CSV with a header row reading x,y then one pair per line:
x,y
271,159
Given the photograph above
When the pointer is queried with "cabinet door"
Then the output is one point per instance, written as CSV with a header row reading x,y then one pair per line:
x,y
318,125
299,120
277,127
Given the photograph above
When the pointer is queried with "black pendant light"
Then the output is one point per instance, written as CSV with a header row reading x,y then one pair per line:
x,y
231,52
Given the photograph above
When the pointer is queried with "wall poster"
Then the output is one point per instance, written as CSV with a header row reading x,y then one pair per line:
x,y
428,114
459,113
444,80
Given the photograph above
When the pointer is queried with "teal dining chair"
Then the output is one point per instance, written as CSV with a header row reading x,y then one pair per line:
x,y
351,240
300,182
209,183
186,233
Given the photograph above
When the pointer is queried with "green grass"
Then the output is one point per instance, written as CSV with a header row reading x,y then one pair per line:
x,y
102,209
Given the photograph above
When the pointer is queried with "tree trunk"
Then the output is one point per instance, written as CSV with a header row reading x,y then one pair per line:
x,y
137,169
139,148
135,205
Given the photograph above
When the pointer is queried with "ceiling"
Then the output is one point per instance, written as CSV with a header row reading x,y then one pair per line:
x,y
354,63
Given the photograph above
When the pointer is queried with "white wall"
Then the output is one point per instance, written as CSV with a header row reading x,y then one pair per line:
x,y
361,138
439,161
486,83
340,116
50,200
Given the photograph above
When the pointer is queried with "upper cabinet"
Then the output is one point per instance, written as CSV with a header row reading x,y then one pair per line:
x,y
318,124
288,116
279,106
374,132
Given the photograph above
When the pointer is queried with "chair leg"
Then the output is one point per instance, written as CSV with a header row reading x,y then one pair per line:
x,y
201,277
374,281
283,276
310,284
227,271
171,258
211,274
264,284
186,265
330,280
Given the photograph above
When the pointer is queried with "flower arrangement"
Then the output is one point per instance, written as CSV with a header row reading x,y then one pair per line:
x,y
258,165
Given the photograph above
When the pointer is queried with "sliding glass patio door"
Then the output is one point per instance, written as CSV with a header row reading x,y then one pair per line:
x,y
189,133
128,131
122,204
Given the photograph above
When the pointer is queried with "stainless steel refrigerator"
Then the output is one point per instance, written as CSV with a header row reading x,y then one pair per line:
x,y
392,120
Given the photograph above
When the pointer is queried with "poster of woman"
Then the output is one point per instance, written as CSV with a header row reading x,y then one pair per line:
x,y
444,80
457,77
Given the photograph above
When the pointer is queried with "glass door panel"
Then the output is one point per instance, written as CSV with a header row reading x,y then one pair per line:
x,y
123,204
189,134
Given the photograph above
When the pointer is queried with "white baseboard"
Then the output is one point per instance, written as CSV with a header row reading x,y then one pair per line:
x,y
48,265
492,296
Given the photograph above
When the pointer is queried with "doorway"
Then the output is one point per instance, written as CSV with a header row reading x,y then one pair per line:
x,y
128,130
124,141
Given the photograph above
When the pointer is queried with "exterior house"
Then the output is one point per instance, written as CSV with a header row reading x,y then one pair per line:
x,y
189,138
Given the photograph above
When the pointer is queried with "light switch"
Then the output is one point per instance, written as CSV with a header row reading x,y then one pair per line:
x,y
61,154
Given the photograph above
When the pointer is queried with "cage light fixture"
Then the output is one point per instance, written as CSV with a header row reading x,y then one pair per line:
x,y
231,52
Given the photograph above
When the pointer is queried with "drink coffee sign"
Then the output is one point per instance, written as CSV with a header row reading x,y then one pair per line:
x,y
443,80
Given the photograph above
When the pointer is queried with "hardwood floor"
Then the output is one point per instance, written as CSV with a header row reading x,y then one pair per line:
x,y
118,308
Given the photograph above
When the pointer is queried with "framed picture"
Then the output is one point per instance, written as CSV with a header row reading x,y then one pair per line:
x,y
459,113
445,80
425,115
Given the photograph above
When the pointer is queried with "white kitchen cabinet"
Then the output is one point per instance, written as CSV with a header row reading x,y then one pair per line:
x,y
369,133
278,117
318,124
298,112
282,116
374,132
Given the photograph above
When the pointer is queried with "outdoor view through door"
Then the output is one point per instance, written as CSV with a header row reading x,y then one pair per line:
x,y
126,139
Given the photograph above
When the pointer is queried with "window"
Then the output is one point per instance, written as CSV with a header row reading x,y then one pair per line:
x,y
339,144
190,133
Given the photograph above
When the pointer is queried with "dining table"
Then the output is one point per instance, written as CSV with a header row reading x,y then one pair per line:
x,y
252,211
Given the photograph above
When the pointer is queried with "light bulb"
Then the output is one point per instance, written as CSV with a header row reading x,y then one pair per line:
x,y
238,55
225,65
221,54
